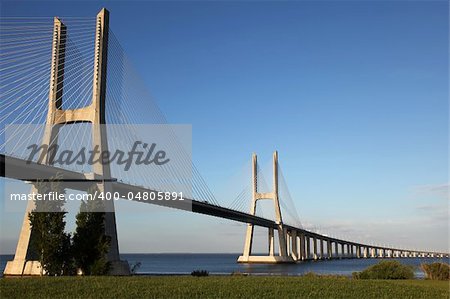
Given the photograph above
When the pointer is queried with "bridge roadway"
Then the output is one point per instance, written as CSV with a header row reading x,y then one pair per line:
x,y
17,167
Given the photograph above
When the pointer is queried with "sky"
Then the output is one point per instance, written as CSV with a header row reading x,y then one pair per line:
x,y
353,95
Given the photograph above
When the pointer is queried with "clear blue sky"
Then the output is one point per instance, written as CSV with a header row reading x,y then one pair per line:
x,y
353,95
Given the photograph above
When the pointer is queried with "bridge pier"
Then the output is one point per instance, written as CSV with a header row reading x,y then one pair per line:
x,y
321,250
308,248
271,241
329,250
294,252
302,247
315,256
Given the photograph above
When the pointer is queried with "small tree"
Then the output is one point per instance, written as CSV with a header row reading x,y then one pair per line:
x,y
49,243
436,271
90,244
386,270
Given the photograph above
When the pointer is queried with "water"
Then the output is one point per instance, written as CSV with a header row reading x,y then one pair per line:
x,y
182,263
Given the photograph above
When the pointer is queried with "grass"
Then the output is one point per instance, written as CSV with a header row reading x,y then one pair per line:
x,y
218,287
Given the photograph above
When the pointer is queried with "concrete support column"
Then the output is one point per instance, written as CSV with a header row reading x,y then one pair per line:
x,y
308,247
302,247
271,242
294,251
315,248
288,243
342,250
322,255
329,250
336,251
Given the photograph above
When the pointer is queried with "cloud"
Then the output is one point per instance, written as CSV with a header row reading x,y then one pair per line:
x,y
436,190
434,212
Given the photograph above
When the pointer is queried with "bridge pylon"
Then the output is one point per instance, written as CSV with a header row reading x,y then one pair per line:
x,y
58,117
282,256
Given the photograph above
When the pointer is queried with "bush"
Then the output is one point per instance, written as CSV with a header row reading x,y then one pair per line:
x,y
386,270
200,273
436,271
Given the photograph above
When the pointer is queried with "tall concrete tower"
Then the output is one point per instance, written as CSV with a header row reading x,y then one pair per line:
x,y
282,256
94,113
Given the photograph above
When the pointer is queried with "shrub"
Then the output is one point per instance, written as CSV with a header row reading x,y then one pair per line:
x,y
386,270
199,273
90,243
49,243
436,271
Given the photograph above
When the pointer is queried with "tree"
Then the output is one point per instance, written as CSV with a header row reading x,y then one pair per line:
x,y
90,244
49,242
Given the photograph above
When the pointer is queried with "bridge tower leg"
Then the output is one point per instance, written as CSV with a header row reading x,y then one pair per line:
x,y
22,264
57,117
283,256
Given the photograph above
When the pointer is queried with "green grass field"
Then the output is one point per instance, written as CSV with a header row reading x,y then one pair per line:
x,y
219,287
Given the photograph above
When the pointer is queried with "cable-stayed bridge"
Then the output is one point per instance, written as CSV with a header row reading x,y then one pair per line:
x,y
70,79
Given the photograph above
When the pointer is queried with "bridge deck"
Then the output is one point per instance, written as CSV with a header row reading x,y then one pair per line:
x,y
17,167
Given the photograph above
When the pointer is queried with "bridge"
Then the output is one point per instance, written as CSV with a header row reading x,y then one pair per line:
x,y
86,74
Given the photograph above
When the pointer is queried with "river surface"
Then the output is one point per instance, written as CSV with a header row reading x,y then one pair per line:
x,y
182,263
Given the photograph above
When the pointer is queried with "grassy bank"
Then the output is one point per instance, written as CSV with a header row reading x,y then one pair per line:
x,y
218,287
